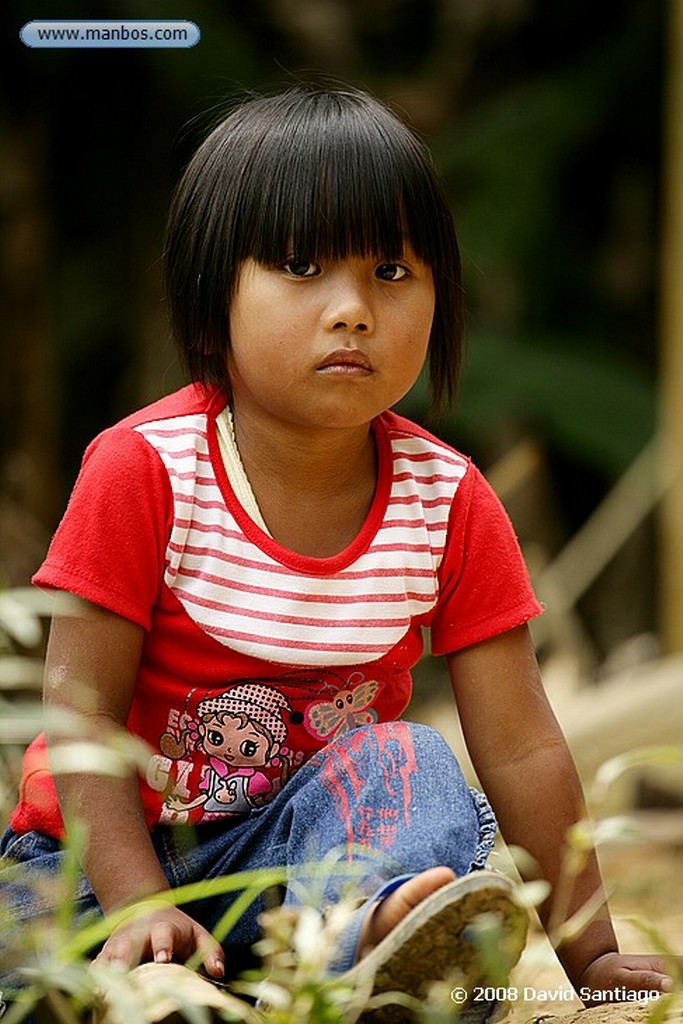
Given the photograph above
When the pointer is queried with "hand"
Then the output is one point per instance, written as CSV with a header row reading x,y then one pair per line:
x,y
174,803
162,936
610,975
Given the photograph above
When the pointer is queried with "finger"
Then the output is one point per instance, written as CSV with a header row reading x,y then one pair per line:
x,y
653,981
647,978
215,965
211,951
162,943
119,951
653,972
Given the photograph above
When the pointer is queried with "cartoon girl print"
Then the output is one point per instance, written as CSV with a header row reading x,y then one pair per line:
x,y
240,730
346,710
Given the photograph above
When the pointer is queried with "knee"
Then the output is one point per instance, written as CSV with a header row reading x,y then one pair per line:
x,y
424,740
416,746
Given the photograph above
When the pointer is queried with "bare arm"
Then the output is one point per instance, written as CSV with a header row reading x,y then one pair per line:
x,y
91,670
522,760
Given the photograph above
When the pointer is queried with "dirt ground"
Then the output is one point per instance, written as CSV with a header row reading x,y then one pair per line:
x,y
644,877
645,880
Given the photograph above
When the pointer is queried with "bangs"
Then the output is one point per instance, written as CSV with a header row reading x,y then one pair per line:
x,y
334,182
326,215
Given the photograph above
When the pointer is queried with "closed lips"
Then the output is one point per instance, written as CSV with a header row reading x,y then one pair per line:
x,y
353,359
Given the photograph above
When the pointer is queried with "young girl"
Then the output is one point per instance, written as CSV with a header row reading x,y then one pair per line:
x,y
255,558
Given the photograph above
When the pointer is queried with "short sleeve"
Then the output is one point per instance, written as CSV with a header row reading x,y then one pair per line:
x,y
111,543
484,582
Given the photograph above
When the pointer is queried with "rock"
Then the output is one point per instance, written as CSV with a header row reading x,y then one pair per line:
x,y
613,1013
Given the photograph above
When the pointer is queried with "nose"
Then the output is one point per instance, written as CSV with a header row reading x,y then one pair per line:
x,y
349,308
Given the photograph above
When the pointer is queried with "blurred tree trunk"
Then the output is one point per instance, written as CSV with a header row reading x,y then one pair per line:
x,y
29,493
671,525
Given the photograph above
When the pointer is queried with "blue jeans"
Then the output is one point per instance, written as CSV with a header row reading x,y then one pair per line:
x,y
388,798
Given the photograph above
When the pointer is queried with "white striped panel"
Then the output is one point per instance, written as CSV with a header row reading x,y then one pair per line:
x,y
248,600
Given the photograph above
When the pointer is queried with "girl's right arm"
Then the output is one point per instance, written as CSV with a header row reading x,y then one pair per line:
x,y
91,667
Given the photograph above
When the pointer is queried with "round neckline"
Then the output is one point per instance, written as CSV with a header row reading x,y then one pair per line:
x,y
285,556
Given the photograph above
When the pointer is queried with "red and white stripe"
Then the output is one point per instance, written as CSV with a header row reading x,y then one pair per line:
x,y
248,600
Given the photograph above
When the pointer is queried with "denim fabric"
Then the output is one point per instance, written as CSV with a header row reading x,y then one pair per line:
x,y
388,798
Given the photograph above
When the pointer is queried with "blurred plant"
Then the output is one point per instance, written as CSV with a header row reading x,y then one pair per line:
x,y
583,839
51,955
21,672
293,986
296,947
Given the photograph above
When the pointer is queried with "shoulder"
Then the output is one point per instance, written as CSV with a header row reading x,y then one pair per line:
x,y
400,428
421,456
127,459
192,400
183,412
442,475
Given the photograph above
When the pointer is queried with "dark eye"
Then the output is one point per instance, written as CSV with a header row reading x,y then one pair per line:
x,y
298,266
390,272
340,703
214,737
248,748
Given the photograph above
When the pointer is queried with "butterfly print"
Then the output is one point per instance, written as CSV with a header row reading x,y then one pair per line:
x,y
347,710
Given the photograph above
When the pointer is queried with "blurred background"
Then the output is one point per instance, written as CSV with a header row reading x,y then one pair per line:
x,y
554,126
558,130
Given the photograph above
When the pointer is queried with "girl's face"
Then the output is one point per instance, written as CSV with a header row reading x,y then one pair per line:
x,y
239,745
329,345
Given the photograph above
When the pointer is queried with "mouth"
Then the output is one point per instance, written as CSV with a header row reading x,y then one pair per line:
x,y
347,361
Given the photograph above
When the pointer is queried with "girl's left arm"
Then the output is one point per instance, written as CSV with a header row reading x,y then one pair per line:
x,y
527,772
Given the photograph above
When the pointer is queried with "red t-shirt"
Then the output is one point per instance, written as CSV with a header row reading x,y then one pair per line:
x,y
254,656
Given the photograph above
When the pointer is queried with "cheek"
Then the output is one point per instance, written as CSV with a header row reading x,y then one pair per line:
x,y
425,332
266,362
412,323
426,317
262,311
411,353
415,331
260,332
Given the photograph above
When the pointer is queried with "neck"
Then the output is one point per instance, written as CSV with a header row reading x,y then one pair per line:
x,y
313,488
321,462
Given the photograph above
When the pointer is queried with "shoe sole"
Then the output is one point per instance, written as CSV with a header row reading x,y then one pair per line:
x,y
430,944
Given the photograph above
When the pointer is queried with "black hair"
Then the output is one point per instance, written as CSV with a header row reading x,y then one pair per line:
x,y
322,173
